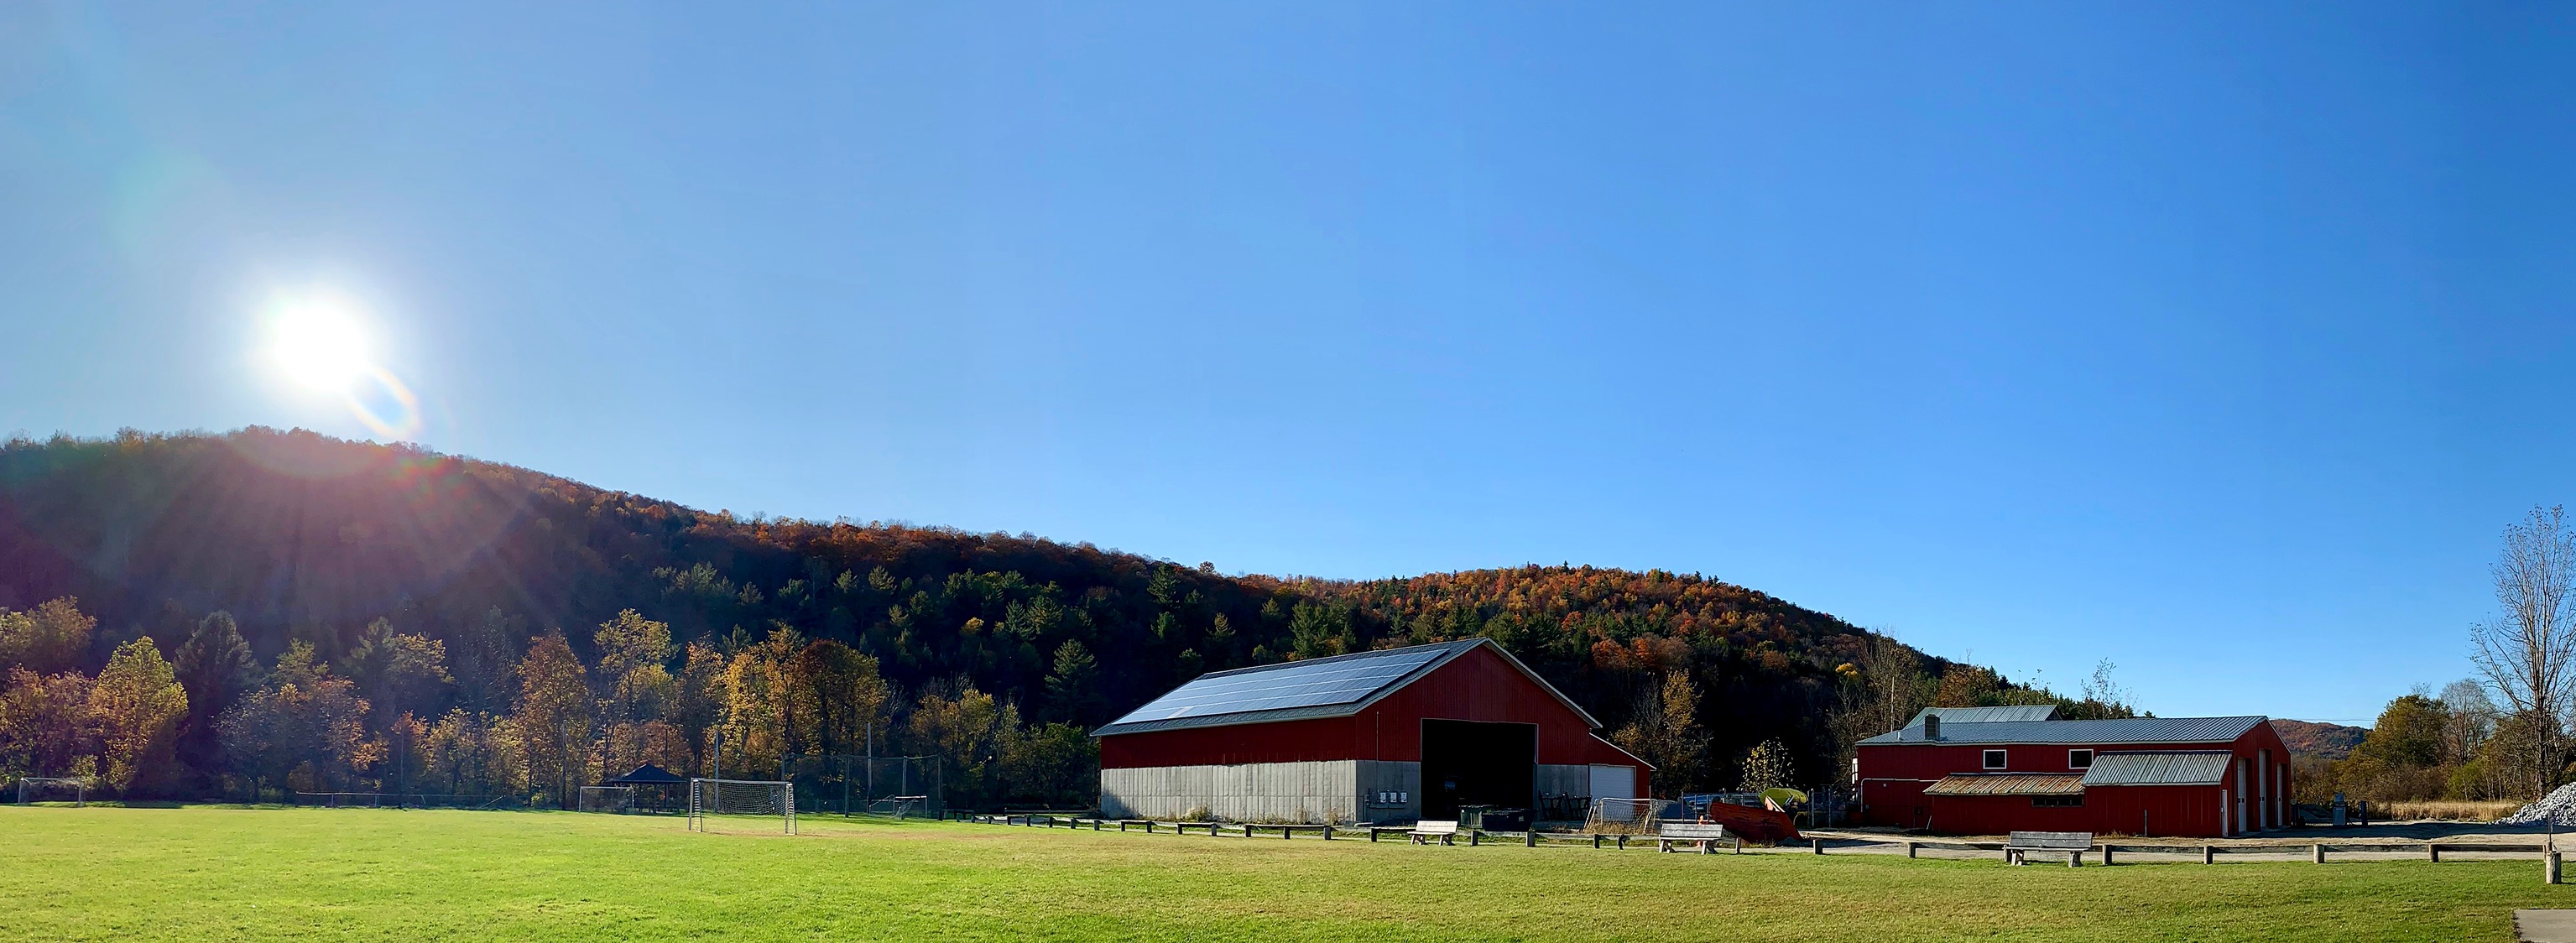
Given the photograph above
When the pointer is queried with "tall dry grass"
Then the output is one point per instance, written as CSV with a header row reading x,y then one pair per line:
x,y
2448,810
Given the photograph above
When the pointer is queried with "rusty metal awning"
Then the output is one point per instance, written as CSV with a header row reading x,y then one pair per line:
x,y
2008,784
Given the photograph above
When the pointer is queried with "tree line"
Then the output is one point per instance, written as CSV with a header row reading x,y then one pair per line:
x,y
353,617
2504,733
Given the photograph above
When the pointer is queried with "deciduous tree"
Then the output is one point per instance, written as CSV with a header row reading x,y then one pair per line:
x,y
2528,653
137,704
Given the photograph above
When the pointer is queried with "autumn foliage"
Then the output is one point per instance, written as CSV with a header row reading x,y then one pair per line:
x,y
349,616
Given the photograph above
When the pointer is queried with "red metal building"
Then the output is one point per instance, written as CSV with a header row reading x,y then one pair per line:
x,y
1989,770
1390,735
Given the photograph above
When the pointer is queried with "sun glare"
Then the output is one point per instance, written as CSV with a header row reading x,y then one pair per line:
x,y
319,345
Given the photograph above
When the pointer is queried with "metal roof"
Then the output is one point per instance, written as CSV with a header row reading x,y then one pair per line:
x,y
2172,768
2007,784
2080,732
1337,686
1983,715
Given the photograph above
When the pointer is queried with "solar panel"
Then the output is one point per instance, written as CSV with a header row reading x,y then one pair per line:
x,y
1342,679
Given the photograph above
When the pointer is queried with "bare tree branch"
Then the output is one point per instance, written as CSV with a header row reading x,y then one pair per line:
x,y
2526,651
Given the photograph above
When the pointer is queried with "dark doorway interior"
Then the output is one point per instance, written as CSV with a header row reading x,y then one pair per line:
x,y
1470,763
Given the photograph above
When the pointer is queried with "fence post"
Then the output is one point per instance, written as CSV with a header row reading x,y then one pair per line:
x,y
1911,846
2549,869
2106,856
2319,852
2209,854
1530,838
1819,845
2432,852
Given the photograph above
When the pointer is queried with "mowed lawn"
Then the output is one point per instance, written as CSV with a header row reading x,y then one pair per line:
x,y
229,873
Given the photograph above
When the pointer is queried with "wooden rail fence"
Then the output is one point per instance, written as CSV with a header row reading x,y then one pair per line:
x,y
2111,852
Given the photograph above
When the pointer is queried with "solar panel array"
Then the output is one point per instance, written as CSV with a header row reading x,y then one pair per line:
x,y
1340,680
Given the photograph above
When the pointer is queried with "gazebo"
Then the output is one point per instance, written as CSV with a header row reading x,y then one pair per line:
x,y
663,781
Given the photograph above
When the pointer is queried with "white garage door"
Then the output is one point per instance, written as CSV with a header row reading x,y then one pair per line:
x,y
1614,782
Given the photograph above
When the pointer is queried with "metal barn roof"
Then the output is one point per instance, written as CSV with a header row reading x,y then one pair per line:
x,y
2171,768
1985,715
1338,686
2080,732
2007,784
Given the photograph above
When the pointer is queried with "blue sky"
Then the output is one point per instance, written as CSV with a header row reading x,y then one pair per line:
x,y
2218,340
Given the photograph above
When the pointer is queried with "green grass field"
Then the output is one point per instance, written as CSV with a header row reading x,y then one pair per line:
x,y
225,873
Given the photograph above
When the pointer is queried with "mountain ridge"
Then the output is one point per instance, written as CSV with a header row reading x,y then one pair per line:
x,y
301,537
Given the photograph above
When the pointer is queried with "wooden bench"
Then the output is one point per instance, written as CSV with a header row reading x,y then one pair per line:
x,y
1703,835
2072,844
1423,832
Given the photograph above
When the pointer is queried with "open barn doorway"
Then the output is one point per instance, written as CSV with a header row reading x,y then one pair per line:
x,y
1471,763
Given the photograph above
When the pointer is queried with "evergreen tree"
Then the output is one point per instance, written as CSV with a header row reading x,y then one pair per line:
x,y
216,669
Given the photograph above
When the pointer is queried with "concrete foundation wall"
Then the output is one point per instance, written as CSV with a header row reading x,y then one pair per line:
x,y
1378,778
1563,780
1321,791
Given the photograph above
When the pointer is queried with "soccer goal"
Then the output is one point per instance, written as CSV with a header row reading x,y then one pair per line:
x,y
901,807
760,797
53,789
608,798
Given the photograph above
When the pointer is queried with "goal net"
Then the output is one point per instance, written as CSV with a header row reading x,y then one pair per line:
x,y
709,798
607,798
901,807
53,789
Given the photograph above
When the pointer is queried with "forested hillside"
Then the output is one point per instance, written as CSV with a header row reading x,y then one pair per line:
x,y
320,614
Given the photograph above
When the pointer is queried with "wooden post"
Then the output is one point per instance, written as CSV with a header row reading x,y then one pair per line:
x,y
1372,835
2432,852
1530,838
1475,837
1910,848
2549,868
2319,853
1095,825
1286,833
1818,844
2106,856
2209,854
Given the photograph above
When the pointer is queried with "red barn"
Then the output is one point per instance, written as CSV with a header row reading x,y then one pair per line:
x,y
1989,770
1383,736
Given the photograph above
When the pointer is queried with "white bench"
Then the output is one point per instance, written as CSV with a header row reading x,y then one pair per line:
x,y
1705,835
1423,832
2072,844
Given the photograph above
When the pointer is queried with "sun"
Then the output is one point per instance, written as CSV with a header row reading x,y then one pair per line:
x,y
319,344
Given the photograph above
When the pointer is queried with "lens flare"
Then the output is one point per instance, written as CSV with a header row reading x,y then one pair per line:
x,y
318,340
381,401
